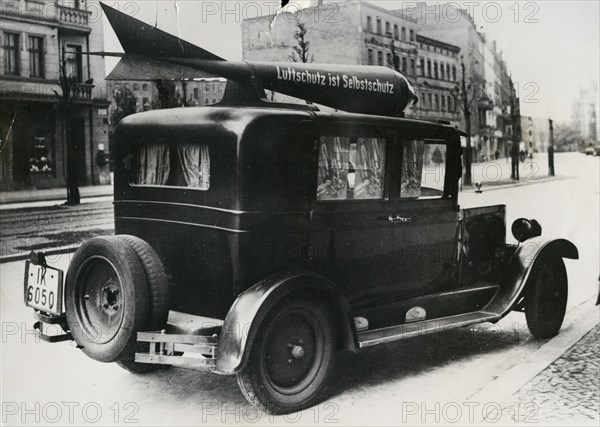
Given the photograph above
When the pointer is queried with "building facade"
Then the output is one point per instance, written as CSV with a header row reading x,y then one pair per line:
x,y
491,93
37,37
359,33
147,94
585,113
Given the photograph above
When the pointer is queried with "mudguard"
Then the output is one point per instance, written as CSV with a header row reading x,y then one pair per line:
x,y
520,266
250,308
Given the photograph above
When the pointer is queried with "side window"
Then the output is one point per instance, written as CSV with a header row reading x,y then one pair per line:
x,y
180,165
351,168
423,169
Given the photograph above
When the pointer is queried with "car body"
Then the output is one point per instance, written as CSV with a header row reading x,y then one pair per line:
x,y
357,213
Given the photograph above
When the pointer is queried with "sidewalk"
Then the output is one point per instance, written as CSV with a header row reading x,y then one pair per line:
x,y
52,194
566,392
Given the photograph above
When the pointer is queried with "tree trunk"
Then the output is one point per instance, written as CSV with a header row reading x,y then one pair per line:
x,y
73,196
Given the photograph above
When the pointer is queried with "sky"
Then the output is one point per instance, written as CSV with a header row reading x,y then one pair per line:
x,y
552,47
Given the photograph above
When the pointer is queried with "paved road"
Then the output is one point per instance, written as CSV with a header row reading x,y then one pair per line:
x,y
425,380
23,230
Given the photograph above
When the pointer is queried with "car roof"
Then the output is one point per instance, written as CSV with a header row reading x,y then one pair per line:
x,y
237,118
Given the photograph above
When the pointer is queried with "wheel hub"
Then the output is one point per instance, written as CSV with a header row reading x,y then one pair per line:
x,y
110,297
297,351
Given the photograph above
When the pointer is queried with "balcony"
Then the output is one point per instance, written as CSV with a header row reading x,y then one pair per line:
x,y
76,20
71,19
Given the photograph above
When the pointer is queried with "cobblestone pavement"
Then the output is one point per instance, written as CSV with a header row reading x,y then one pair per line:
x,y
567,392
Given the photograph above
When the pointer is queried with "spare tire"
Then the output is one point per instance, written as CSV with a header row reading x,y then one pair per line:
x,y
158,290
106,299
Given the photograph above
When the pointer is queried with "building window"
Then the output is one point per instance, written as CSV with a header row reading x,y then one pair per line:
x,y
404,64
379,58
429,102
448,71
74,63
436,102
453,73
442,74
370,57
378,26
429,68
135,86
396,34
412,35
422,66
145,86
36,57
390,60
388,29
369,24
423,99
435,70
443,103
403,34
450,104
11,54
196,93
413,71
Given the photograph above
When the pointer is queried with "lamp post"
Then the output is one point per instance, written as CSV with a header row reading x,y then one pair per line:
x,y
551,149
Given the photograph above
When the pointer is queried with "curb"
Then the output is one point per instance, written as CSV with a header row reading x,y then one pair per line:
x,y
22,256
524,183
503,388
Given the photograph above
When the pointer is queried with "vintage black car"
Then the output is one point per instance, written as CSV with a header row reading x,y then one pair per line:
x,y
258,239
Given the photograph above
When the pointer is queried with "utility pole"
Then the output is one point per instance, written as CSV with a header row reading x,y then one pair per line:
x,y
467,111
551,149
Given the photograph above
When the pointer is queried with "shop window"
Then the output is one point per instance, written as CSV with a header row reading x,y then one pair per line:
x,y
423,170
36,57
12,58
41,154
351,168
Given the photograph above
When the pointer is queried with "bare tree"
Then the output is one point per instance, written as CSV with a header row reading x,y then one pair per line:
x,y
464,94
69,93
302,49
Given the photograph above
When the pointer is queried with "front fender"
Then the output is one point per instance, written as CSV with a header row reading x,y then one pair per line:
x,y
250,308
520,265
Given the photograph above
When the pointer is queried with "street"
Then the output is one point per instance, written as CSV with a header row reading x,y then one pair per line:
x,y
461,376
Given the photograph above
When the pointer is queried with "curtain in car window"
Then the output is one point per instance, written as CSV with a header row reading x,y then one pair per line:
x,y
412,169
370,164
153,164
193,166
333,168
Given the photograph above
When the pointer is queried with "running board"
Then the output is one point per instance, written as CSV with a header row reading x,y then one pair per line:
x,y
409,330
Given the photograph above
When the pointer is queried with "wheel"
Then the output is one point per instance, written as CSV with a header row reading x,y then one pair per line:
x,y
291,357
546,300
158,288
106,299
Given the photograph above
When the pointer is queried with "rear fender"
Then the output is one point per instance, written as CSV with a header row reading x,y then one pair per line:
x,y
521,264
251,307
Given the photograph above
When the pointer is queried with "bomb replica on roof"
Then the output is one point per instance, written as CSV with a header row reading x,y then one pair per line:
x,y
258,239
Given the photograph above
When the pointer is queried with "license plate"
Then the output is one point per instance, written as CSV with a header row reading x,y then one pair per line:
x,y
43,288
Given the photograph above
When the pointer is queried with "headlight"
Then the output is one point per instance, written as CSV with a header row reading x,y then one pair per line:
x,y
524,229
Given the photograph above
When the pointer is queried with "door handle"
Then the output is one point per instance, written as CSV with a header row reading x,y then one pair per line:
x,y
398,218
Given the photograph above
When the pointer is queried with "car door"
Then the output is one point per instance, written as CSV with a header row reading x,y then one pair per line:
x,y
424,217
350,238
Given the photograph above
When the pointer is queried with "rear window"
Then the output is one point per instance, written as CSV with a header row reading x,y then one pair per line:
x,y
172,165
